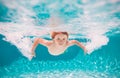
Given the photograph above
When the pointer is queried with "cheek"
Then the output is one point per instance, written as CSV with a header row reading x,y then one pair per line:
x,y
64,41
57,41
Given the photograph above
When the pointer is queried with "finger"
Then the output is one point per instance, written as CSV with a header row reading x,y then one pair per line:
x,y
35,55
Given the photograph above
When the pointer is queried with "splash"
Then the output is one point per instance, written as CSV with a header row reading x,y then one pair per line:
x,y
81,18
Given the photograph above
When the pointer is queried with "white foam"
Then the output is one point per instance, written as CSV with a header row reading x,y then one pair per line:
x,y
97,41
87,24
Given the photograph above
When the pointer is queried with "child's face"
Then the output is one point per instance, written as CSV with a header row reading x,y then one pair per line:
x,y
60,39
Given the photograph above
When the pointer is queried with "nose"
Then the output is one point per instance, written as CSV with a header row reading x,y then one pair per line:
x,y
60,40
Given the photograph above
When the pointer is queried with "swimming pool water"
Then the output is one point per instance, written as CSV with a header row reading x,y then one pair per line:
x,y
96,22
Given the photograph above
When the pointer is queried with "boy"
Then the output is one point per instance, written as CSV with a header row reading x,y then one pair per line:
x,y
58,44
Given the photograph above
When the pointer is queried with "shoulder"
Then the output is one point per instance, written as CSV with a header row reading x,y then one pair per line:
x,y
44,41
72,42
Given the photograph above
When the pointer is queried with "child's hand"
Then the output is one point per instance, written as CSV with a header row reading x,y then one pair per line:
x,y
85,51
33,54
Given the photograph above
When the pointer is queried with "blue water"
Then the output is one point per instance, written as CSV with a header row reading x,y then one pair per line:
x,y
103,62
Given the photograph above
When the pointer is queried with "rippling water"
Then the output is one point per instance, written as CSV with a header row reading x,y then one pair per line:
x,y
94,23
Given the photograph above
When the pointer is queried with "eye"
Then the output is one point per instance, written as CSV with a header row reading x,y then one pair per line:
x,y
58,38
63,38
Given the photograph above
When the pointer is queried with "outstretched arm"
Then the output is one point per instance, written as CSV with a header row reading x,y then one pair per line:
x,y
36,41
39,41
72,42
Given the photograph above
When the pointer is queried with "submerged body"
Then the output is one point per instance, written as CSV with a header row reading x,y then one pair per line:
x,y
54,50
58,44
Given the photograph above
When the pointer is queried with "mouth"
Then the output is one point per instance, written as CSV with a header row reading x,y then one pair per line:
x,y
60,43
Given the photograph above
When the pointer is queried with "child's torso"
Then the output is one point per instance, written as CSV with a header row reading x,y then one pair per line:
x,y
57,50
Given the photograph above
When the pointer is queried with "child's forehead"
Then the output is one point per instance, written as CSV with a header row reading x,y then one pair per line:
x,y
61,34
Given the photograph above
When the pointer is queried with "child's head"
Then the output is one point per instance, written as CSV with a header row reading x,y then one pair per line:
x,y
60,37
53,34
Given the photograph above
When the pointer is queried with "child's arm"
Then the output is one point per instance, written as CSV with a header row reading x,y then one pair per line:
x,y
36,41
72,42
39,41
